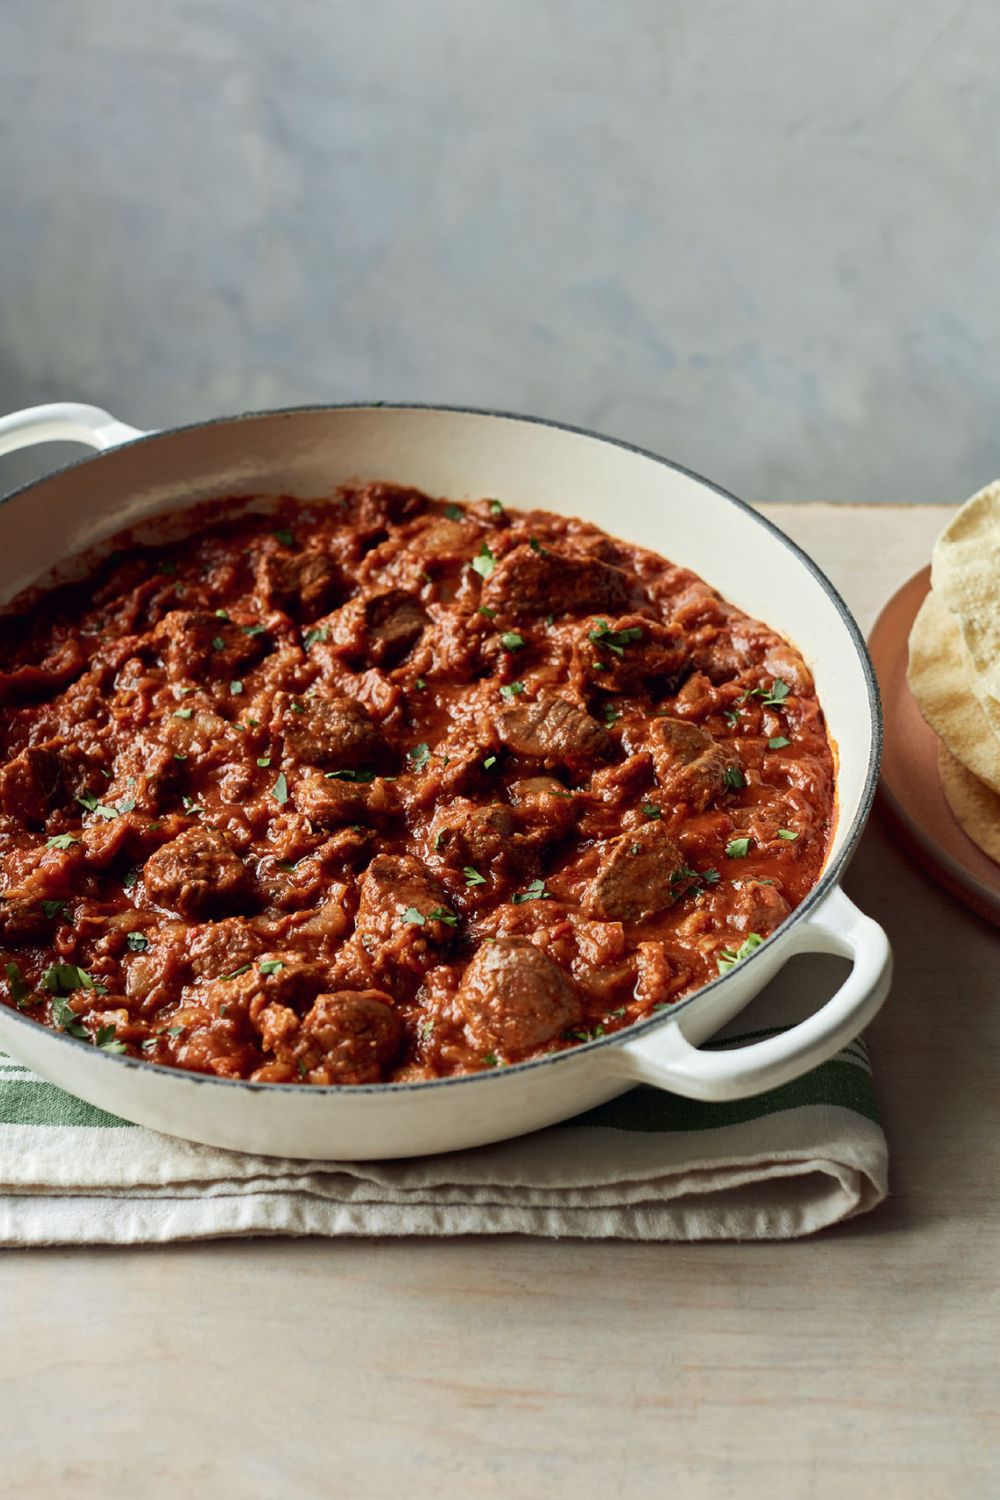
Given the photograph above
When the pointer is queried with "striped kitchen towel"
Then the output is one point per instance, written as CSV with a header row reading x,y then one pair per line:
x,y
647,1166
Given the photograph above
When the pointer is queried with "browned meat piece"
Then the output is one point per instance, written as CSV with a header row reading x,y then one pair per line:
x,y
553,730
217,948
146,772
484,838
28,785
394,622
302,584
546,582
691,767
633,877
22,917
395,890
630,653
197,875
350,1036
332,802
757,906
196,644
515,999
378,504
545,804
333,733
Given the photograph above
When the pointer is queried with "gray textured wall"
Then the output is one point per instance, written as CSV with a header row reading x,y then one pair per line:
x,y
758,235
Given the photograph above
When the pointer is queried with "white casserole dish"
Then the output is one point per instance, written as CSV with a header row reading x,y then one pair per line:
x,y
466,454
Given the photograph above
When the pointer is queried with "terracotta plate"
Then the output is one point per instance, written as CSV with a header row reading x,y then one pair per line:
x,y
910,791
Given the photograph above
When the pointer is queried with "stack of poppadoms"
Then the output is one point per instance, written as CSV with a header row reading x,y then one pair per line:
x,y
954,671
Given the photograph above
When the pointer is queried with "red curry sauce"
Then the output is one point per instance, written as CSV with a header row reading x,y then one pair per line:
x,y
382,788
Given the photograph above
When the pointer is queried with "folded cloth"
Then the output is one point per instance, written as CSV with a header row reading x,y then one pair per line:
x,y
647,1166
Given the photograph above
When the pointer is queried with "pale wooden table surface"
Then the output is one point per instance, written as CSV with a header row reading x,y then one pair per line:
x,y
862,1363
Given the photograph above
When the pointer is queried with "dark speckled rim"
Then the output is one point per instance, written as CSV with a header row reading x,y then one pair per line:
x,y
826,883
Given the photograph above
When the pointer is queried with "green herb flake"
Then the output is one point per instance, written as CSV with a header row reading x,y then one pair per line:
x,y
489,762
738,848
280,789
218,644
62,841
484,563
454,513
472,876
496,509
511,690
778,742
776,697
358,776
106,1037
787,834
420,684
651,811
179,1030
129,880
170,568
419,756
490,1060
243,969
263,761
413,918
53,908
312,636
63,979
614,640
222,614
511,640
610,714
182,713
272,965
284,536
236,688
490,614
730,957
18,985
536,546
442,914
252,629
67,1019
734,778
301,1067
711,877
535,892
137,942
732,716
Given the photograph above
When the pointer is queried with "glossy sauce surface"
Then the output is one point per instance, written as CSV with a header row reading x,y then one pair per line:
x,y
382,788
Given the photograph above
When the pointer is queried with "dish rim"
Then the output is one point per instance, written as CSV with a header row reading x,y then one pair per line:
x,y
827,881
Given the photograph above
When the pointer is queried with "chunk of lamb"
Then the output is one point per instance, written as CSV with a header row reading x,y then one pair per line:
x,y
395,886
198,644
335,734
333,803
554,731
301,584
348,1037
629,653
197,875
514,999
757,906
691,766
633,878
544,582
29,784
484,838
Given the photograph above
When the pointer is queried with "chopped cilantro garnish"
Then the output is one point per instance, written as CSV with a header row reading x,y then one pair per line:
x,y
129,880
222,614
102,810
236,688
413,918
615,640
610,714
53,908
420,683
711,877
359,776
218,644
62,841
490,1060
734,778
738,848
252,629
787,834
454,513
272,965
489,613
105,1037
63,979
511,689
729,957
778,742
243,969
301,1067
18,985
535,892
419,756
280,789
67,1019
284,536
732,716
484,563
651,811
511,640
536,545
263,761
182,713
489,762
312,636
496,509
442,914
137,942
779,692
472,876
169,568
